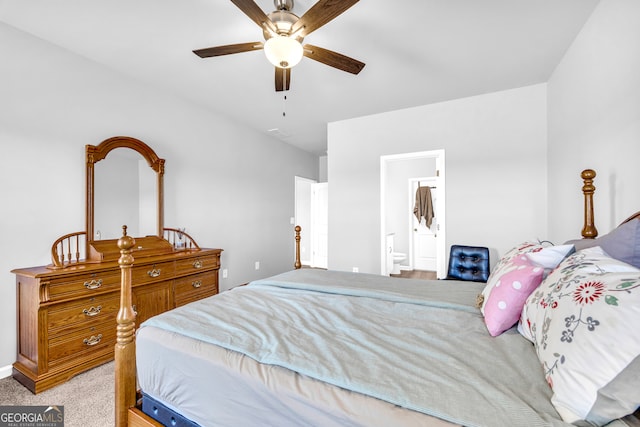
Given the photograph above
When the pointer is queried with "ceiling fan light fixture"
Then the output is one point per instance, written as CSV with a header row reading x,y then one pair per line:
x,y
283,51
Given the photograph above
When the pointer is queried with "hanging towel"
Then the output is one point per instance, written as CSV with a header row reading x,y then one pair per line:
x,y
424,205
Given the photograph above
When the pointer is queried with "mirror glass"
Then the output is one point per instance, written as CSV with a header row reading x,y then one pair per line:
x,y
125,193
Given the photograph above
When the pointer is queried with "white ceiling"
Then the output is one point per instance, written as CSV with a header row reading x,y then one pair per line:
x,y
416,52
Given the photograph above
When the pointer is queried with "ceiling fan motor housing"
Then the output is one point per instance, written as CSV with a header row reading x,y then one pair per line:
x,y
283,4
283,20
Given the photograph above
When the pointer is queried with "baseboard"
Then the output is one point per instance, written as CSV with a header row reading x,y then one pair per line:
x,y
5,371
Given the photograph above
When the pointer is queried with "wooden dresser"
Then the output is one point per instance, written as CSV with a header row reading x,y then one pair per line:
x,y
67,316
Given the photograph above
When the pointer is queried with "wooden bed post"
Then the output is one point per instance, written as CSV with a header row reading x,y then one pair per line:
x,y
589,230
125,349
297,264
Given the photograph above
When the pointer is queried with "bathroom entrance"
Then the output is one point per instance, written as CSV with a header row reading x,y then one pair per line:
x,y
407,182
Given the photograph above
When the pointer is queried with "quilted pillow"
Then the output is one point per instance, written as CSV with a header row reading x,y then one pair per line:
x,y
507,291
583,321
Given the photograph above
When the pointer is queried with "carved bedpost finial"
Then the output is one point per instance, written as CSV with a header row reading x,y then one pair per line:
x,y
297,264
125,349
589,230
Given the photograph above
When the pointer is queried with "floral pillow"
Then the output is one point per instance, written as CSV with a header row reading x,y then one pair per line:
x,y
583,320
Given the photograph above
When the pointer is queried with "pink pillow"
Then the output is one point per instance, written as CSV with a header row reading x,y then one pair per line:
x,y
507,291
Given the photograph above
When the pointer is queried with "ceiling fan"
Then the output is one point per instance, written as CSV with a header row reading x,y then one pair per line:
x,y
284,32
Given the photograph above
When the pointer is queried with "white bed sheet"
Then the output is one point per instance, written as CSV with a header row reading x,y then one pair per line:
x,y
226,388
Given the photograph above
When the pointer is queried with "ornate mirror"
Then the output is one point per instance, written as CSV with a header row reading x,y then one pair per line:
x,y
125,188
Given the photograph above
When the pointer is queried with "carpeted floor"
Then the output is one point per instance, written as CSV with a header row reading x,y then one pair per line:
x,y
88,398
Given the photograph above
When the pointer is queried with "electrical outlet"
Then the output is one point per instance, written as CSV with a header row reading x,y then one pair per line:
x,y
355,269
225,273
292,220
257,265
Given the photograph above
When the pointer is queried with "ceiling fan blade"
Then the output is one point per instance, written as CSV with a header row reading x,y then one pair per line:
x,y
321,13
333,59
257,15
283,78
228,49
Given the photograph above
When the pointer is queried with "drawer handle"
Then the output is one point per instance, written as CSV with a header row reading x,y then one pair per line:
x,y
196,283
197,264
93,340
154,272
93,311
93,284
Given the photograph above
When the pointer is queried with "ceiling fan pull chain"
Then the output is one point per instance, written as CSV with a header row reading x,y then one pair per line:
x,y
284,97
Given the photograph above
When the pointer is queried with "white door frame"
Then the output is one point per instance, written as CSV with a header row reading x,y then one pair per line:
x,y
439,157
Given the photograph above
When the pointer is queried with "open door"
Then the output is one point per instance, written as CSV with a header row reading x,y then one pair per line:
x,y
424,239
312,214
302,216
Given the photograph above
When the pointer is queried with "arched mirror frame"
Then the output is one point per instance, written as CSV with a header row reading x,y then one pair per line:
x,y
96,153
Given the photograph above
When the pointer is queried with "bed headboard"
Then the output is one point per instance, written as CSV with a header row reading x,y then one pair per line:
x,y
589,230
634,216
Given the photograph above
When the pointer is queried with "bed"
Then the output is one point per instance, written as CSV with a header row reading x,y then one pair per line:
x,y
326,348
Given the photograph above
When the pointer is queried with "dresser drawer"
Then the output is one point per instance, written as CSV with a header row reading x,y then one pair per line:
x,y
86,341
195,287
195,264
81,286
66,317
152,272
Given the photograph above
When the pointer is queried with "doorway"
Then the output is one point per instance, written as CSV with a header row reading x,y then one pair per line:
x,y
311,214
397,200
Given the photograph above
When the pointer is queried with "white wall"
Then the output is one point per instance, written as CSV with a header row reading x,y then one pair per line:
x,y
229,186
322,166
594,121
495,147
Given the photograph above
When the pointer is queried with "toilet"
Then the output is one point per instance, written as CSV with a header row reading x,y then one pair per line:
x,y
398,258
394,259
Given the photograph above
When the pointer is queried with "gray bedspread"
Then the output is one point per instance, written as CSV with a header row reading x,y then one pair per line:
x,y
421,345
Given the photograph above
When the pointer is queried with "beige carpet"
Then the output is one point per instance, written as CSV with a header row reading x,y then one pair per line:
x,y
88,398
